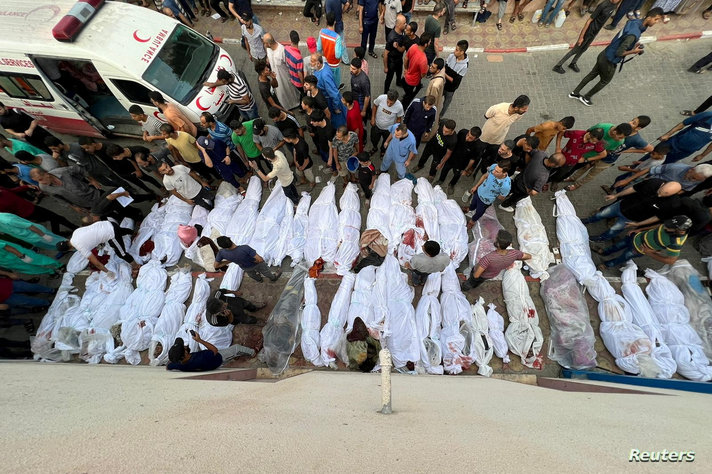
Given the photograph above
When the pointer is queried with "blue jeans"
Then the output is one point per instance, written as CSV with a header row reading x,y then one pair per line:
x,y
548,15
609,212
478,206
251,114
18,299
626,6
629,252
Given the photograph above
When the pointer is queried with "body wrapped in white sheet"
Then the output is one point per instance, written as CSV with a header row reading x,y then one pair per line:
x,y
495,322
322,231
140,313
332,337
453,228
523,335
428,318
400,333
311,321
644,317
242,223
697,301
266,235
195,314
299,230
455,309
349,230
171,318
478,344
686,346
532,238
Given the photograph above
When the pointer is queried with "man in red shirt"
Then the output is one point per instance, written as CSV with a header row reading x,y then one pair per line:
x,y
14,204
354,121
579,143
416,67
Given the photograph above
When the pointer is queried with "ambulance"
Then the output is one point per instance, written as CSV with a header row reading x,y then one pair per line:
x,y
77,66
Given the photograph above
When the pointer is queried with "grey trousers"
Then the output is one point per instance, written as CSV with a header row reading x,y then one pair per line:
x,y
260,270
235,351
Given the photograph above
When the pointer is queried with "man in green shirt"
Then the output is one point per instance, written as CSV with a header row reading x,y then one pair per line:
x,y
613,137
432,26
662,243
242,137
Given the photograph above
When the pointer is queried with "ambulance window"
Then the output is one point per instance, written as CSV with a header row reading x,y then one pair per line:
x,y
133,91
24,86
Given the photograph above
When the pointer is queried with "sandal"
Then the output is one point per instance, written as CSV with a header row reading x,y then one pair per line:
x,y
511,19
499,26
572,187
707,14
666,19
637,14
687,113
453,26
373,54
520,16
483,7
630,15
464,4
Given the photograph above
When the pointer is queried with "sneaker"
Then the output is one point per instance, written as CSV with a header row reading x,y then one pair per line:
x,y
558,69
585,101
506,209
573,95
574,67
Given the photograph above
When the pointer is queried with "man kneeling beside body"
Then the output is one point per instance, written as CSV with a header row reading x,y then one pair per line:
x,y
210,359
493,263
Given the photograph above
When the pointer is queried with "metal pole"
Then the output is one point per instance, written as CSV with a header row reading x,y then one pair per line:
x,y
386,364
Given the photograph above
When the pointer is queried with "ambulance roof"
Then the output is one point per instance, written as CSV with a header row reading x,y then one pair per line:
x,y
126,36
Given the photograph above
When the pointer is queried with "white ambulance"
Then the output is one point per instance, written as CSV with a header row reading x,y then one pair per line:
x,y
78,66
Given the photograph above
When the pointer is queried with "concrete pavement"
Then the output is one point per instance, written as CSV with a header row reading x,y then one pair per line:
x,y
72,418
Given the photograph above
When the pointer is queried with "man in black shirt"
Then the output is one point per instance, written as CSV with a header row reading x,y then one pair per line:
x,y
323,134
467,152
285,121
590,29
24,127
91,155
393,55
439,147
227,307
532,180
302,161
521,152
124,164
209,359
640,202
678,205
410,38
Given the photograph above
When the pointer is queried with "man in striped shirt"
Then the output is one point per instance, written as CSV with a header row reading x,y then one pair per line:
x,y
662,243
238,94
150,125
492,264
295,62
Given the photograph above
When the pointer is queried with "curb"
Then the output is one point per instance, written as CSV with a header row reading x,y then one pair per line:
x,y
529,49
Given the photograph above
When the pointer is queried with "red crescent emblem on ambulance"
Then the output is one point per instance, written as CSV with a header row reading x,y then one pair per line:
x,y
226,57
197,103
139,39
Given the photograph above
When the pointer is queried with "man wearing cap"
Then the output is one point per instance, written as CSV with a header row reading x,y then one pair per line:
x,y
662,243
216,154
246,257
227,307
186,185
280,170
209,359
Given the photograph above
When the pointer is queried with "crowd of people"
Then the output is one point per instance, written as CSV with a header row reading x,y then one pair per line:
x,y
318,114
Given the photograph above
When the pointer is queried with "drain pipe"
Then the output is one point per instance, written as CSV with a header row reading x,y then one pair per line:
x,y
386,364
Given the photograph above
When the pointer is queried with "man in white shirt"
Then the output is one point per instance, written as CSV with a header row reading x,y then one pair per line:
x,y
387,110
499,118
86,238
280,170
186,185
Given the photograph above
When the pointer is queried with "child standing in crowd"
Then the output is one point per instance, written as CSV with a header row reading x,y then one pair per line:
x,y
366,175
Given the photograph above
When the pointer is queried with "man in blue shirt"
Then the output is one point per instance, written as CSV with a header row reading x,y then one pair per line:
x,y
687,175
400,148
244,256
210,359
368,13
689,136
493,185
216,154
